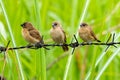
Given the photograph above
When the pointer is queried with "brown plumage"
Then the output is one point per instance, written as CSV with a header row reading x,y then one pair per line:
x,y
58,34
31,34
86,33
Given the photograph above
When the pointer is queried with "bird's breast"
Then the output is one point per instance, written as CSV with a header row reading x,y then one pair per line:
x,y
85,35
57,35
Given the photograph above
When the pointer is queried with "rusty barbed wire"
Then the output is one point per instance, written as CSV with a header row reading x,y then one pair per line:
x,y
72,44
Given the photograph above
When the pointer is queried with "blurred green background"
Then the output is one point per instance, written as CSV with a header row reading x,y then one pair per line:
x,y
102,15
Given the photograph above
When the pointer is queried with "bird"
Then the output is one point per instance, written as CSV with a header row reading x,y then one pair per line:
x,y
30,34
58,34
86,33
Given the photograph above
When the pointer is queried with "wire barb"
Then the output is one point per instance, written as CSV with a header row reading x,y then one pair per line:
x,y
75,44
109,38
113,37
41,44
110,43
113,40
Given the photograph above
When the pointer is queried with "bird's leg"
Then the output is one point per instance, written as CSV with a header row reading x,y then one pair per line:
x,y
61,44
89,42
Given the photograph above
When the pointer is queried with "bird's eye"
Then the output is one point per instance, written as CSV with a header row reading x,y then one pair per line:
x,y
83,25
24,24
55,24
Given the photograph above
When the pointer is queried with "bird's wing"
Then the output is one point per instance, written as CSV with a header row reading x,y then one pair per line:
x,y
64,35
92,33
35,34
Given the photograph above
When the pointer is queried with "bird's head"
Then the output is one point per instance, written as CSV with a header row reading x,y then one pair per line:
x,y
56,24
27,25
83,24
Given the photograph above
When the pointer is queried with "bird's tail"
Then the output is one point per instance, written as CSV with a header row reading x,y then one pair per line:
x,y
98,41
65,48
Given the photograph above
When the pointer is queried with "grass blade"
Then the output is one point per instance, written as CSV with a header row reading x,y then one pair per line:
x,y
13,40
41,67
107,63
99,59
70,56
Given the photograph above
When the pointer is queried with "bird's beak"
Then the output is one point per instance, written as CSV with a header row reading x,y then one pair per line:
x,y
53,25
22,25
80,25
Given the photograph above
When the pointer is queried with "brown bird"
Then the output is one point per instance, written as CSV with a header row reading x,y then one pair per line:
x,y
86,33
31,34
58,34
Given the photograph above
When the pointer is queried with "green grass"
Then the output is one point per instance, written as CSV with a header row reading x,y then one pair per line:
x,y
86,63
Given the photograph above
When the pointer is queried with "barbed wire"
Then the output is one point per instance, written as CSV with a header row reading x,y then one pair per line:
x,y
72,44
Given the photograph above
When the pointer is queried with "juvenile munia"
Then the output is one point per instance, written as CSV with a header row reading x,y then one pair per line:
x,y
58,34
31,35
86,33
